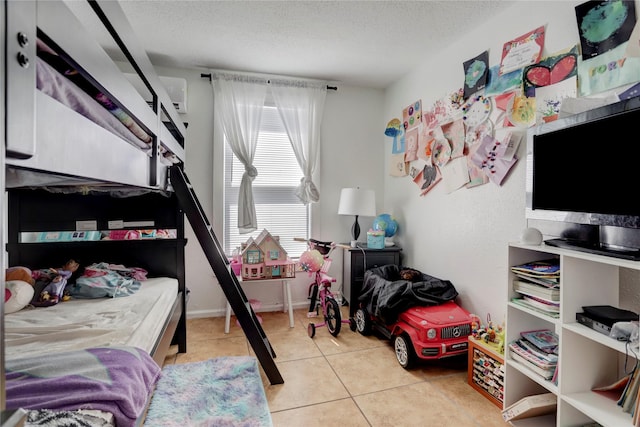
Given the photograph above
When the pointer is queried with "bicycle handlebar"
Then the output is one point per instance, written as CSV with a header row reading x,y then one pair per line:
x,y
321,246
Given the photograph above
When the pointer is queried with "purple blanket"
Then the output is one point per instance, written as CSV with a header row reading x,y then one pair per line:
x,y
112,379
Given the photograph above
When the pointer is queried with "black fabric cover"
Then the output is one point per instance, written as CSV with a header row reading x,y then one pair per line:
x,y
385,294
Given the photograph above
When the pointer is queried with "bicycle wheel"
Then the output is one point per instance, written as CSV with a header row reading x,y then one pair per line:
x,y
332,316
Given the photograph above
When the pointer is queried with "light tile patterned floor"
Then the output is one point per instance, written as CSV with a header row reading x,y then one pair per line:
x,y
348,380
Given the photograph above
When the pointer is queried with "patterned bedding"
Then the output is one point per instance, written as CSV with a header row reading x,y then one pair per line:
x,y
118,380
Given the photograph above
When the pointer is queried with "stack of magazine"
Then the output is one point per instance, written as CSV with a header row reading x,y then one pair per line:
x,y
538,284
537,350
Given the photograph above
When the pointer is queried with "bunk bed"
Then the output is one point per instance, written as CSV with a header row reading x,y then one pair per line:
x,y
84,151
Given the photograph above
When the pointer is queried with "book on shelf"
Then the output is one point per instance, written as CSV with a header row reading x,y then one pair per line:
x,y
547,358
554,378
546,373
630,394
542,304
613,391
550,282
531,406
523,303
517,348
545,339
535,290
545,268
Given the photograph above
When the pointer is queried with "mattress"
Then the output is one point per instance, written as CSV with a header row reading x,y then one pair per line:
x,y
136,320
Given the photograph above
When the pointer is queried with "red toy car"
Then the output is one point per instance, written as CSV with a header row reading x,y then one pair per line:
x,y
422,331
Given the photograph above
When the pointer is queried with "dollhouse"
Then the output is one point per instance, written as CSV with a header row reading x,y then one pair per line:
x,y
264,258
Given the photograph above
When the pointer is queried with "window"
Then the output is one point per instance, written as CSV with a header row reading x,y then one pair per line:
x,y
277,207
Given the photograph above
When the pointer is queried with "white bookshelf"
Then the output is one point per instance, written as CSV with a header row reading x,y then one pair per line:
x,y
587,358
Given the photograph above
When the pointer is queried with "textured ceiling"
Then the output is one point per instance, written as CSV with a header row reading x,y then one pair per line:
x,y
363,43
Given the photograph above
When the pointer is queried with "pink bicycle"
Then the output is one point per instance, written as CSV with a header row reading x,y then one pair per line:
x,y
317,260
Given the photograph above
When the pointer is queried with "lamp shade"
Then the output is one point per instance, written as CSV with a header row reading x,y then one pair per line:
x,y
356,201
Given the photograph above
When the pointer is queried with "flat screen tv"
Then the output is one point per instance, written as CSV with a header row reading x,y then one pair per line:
x,y
583,180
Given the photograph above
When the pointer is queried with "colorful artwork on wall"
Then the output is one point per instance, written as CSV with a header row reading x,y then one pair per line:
x,y
604,25
522,51
397,165
411,145
498,84
550,70
444,109
426,178
489,157
440,152
476,110
607,71
412,115
455,174
394,130
476,174
425,139
454,133
521,111
476,71
549,99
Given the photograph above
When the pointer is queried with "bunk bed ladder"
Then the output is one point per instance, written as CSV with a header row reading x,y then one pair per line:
x,y
221,268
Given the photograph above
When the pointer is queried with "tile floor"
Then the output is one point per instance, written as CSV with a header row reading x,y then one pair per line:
x,y
348,380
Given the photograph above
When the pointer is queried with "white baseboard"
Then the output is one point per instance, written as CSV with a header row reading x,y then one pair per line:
x,y
198,314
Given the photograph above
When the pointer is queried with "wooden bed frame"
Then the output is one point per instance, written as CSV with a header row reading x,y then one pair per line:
x,y
46,138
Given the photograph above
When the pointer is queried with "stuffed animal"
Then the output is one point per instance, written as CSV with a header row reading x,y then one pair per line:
x,y
54,291
410,274
17,294
19,273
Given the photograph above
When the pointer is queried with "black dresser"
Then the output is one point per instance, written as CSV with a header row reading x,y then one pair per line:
x,y
354,268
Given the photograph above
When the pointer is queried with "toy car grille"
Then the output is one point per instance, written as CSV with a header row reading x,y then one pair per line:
x,y
456,331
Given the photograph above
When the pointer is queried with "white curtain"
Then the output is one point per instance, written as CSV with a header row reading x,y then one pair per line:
x,y
301,104
239,103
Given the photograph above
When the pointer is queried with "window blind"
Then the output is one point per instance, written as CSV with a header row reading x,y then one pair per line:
x,y
277,208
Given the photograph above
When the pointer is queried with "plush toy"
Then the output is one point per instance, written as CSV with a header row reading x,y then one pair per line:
x,y
54,291
410,274
19,273
17,294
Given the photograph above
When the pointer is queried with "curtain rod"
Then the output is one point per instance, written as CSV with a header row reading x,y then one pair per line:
x,y
208,76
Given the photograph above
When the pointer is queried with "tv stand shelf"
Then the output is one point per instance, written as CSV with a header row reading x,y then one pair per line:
x,y
594,248
587,358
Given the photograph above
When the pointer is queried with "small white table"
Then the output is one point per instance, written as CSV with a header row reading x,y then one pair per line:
x,y
286,299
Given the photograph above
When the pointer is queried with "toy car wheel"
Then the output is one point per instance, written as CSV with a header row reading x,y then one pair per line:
x,y
311,330
352,325
333,317
363,322
404,351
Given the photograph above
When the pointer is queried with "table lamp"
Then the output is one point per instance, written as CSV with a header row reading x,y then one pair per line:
x,y
356,201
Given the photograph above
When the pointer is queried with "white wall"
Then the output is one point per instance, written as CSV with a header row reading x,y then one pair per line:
x,y
463,236
351,155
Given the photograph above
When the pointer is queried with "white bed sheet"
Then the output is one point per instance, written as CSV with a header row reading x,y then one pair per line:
x,y
136,320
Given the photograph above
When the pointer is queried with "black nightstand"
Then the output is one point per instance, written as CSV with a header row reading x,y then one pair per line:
x,y
354,268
